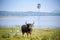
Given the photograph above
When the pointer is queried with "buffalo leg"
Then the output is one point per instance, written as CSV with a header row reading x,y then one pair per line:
x,y
30,34
27,34
23,34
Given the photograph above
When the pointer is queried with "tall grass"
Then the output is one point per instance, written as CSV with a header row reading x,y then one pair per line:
x,y
55,35
37,34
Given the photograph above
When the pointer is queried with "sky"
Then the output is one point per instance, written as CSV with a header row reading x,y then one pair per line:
x,y
29,5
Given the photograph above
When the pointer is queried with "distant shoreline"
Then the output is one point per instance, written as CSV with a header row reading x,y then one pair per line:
x,y
20,16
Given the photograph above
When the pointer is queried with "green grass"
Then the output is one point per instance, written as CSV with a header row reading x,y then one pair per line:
x,y
37,34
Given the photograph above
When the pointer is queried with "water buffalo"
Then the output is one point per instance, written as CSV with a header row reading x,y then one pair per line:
x,y
27,28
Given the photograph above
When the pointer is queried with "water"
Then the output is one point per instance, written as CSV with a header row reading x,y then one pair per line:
x,y
40,21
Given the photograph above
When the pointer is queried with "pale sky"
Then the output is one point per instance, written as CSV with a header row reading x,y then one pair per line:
x,y
29,5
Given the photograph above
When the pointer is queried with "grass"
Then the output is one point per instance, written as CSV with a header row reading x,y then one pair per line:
x,y
37,34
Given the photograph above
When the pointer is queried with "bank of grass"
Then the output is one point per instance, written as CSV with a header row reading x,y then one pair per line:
x,y
37,34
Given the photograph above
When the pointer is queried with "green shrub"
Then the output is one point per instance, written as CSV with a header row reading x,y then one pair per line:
x,y
5,35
